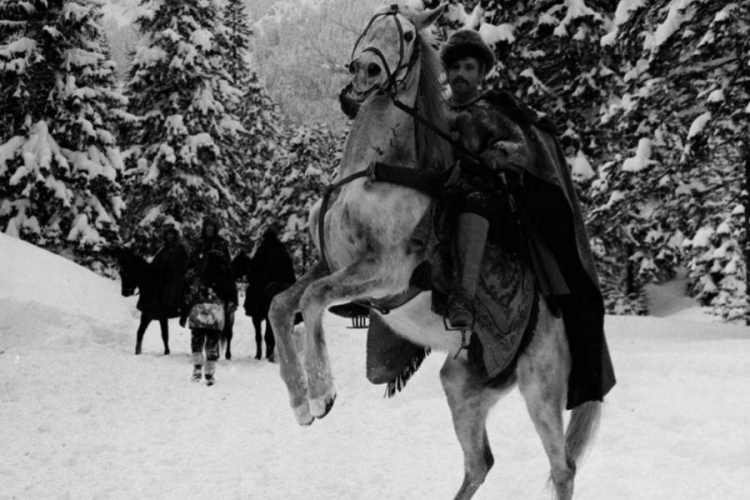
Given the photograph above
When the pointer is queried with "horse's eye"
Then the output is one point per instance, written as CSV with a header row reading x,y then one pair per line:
x,y
352,67
408,36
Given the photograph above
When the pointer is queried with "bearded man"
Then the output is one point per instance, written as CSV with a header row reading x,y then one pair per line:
x,y
516,187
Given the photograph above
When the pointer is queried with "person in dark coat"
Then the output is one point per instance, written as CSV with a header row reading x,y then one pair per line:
x,y
506,147
271,271
212,283
210,240
169,266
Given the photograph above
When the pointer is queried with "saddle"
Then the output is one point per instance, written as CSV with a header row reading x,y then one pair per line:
x,y
505,305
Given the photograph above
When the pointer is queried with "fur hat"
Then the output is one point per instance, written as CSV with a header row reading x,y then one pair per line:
x,y
466,43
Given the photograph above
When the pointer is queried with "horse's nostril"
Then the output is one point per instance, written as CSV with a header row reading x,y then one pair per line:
x,y
373,70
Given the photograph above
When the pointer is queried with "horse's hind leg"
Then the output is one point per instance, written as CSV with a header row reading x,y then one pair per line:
x,y
470,400
228,333
257,326
164,325
542,379
270,342
281,316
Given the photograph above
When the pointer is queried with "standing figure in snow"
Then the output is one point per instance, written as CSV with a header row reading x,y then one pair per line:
x,y
270,271
210,295
506,147
210,241
160,284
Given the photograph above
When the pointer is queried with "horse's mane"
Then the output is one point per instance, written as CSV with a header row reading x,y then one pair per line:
x,y
433,151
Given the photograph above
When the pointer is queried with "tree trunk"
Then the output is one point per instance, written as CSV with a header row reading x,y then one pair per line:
x,y
630,286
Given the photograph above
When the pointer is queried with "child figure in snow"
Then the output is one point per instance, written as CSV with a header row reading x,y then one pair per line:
x,y
210,296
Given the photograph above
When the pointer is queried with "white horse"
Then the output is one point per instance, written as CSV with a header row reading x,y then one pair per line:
x,y
365,237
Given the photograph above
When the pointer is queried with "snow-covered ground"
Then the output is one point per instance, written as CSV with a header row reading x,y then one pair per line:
x,y
83,418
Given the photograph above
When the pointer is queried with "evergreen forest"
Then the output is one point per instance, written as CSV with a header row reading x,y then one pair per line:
x,y
118,117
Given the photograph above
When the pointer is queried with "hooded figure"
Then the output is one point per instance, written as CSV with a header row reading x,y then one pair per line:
x,y
209,286
210,241
170,265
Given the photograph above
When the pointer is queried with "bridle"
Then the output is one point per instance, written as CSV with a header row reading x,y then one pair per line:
x,y
392,83
390,87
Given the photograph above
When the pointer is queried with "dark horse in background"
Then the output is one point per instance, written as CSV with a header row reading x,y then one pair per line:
x,y
269,272
136,273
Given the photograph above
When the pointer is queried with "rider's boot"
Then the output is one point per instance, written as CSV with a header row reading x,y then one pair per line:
x,y
471,238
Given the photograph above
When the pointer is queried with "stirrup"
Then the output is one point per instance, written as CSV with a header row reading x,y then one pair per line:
x,y
469,307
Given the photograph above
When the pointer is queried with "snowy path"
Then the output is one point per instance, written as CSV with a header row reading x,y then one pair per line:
x,y
86,419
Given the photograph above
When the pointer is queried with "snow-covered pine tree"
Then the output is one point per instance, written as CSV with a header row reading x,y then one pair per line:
x,y
682,110
180,160
60,165
290,187
237,35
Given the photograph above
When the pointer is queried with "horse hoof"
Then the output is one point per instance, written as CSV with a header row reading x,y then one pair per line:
x,y
302,414
137,350
166,352
319,407
258,356
228,356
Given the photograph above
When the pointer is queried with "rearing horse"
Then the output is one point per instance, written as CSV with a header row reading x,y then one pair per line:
x,y
367,255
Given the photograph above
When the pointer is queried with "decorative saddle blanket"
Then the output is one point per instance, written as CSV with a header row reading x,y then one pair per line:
x,y
505,309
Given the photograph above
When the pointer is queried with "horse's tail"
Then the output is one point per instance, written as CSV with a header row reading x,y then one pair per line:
x,y
583,425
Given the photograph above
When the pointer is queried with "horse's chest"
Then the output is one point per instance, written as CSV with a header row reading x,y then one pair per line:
x,y
373,218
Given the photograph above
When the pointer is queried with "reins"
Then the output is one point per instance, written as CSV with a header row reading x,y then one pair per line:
x,y
371,172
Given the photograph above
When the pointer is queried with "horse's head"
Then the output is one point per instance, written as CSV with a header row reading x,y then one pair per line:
x,y
127,266
387,52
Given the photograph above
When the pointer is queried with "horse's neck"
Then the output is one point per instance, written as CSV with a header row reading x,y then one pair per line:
x,y
380,133
142,271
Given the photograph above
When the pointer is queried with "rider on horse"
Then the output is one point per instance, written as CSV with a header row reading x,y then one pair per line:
x,y
515,187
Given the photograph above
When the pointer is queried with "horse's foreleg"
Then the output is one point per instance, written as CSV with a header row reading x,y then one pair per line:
x,y
145,320
470,400
281,316
542,379
346,284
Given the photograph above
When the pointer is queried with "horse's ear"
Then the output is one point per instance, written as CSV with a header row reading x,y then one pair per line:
x,y
426,18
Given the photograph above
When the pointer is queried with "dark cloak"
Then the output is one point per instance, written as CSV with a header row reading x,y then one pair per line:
x,y
558,245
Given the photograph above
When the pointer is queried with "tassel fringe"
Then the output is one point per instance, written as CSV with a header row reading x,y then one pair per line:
x,y
397,384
